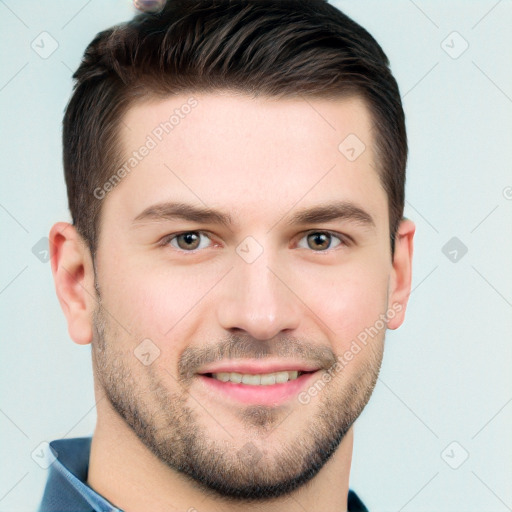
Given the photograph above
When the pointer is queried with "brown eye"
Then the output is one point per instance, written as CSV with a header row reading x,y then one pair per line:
x,y
321,241
188,241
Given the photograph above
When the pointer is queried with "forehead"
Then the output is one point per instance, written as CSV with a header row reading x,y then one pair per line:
x,y
255,155
196,121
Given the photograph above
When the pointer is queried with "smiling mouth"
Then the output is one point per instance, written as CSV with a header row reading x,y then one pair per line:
x,y
260,379
270,389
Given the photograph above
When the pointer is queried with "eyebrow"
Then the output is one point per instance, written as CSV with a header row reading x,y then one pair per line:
x,y
340,210
184,211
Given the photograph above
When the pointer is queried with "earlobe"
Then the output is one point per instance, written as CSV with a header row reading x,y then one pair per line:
x,y
73,275
401,277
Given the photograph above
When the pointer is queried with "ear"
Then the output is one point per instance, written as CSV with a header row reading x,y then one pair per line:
x,y
73,275
401,274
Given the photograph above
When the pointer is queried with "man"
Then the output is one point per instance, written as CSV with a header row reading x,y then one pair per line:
x,y
235,173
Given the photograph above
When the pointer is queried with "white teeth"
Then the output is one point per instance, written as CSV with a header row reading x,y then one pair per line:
x,y
235,377
253,380
281,377
265,379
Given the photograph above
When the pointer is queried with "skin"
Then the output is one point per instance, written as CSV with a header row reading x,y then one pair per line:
x,y
163,441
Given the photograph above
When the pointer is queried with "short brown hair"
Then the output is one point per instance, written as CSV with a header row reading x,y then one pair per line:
x,y
282,48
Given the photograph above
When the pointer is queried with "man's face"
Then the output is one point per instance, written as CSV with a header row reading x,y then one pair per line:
x,y
266,288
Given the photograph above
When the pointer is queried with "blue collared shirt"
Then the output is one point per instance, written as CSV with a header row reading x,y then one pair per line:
x,y
66,490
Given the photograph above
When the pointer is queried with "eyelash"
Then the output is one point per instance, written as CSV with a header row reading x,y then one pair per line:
x,y
345,240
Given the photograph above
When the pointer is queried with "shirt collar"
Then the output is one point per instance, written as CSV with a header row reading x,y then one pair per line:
x,y
66,487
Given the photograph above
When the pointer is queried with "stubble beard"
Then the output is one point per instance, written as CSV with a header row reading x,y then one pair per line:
x,y
246,468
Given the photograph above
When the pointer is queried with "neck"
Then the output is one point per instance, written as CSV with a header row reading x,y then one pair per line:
x,y
125,472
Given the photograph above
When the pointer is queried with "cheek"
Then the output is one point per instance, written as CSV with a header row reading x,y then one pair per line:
x,y
154,303
346,302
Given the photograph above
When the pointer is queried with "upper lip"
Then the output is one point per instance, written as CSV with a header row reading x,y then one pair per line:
x,y
257,367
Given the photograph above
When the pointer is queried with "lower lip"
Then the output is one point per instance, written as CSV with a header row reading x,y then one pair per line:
x,y
273,394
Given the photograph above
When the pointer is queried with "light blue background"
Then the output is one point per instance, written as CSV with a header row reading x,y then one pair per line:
x,y
446,374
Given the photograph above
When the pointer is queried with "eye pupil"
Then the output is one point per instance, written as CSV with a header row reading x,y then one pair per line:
x,y
191,240
321,239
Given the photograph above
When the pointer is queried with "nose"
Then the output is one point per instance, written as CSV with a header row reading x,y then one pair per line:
x,y
258,299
